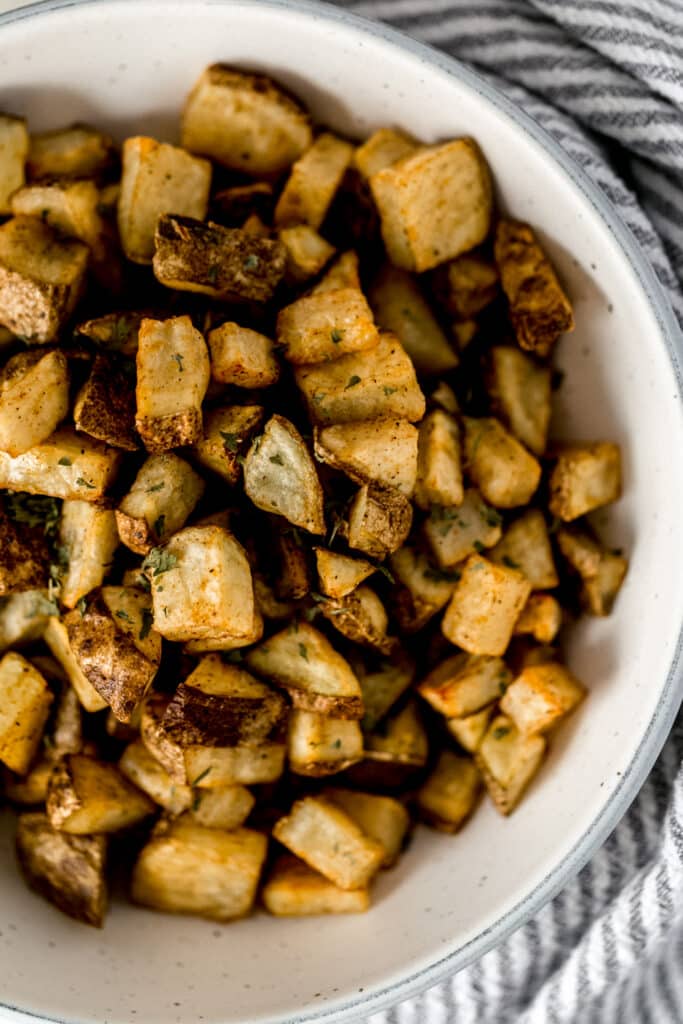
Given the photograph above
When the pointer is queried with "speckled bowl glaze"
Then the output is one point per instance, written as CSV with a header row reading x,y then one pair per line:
x,y
127,66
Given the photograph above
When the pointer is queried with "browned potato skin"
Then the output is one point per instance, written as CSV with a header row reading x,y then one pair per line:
x,y
67,870
197,718
379,520
152,733
23,557
64,801
361,618
293,579
105,406
466,285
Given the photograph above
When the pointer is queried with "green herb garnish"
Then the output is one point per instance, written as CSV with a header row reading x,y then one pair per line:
x,y
277,459
179,360
500,732
352,381
121,614
252,262
147,620
64,461
156,487
158,561
231,440
303,651
336,336
510,562
212,273
82,482
200,777
159,525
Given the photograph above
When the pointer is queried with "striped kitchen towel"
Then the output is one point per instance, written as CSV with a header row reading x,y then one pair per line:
x,y
605,77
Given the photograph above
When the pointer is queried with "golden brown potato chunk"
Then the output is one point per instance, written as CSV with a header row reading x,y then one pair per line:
x,y
508,760
13,153
89,537
105,406
381,817
470,730
466,285
326,325
57,639
382,686
503,470
455,531
159,502
463,684
117,332
421,590
439,468
322,744
25,700
385,147
67,465
295,890
520,392
540,696
339,575
450,794
379,520
381,451
87,796
525,545
145,772
485,606
242,357
602,571
541,617
585,477
227,432
70,207
78,151
225,807
360,617
307,252
313,182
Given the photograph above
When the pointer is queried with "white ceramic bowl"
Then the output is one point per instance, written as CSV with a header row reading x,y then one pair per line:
x,y
127,66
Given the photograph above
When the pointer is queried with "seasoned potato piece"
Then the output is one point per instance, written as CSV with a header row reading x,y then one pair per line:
x,y
453,180
159,503
85,795
539,309
321,744
67,870
421,590
400,307
463,684
328,839
227,432
67,465
293,579
152,733
67,727
57,639
89,538
244,764
379,520
34,399
157,179
338,574
454,533
360,617
326,325
105,405
525,545
225,807
23,557
245,122
117,332
24,618
229,641
226,263
145,772
401,739
29,790
585,477
313,182
439,469
520,391
78,151
470,730
602,571
237,203
280,476
508,761
295,890
201,585
466,285
363,386
25,700
269,605
304,663
380,817
13,152
372,451
344,273
188,869
485,606
503,470
382,686
541,617
464,331
69,206
449,795
385,147
41,278
540,696
172,377
243,357
307,252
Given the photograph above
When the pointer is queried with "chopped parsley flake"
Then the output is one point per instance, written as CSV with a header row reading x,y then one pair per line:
x,y
389,390
277,459
200,777
82,606
303,651
479,547
158,561
33,510
64,461
159,525
252,262
82,482
179,360
231,440
352,381
500,732
336,336
510,562
156,487
212,273
147,620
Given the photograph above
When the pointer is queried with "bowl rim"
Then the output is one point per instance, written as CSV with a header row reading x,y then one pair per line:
x,y
406,983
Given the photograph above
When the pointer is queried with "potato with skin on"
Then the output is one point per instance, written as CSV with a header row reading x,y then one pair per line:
x,y
541,696
188,869
41,278
382,451
339,575
465,683
242,357
245,122
539,309
89,537
77,151
421,590
363,386
225,807
159,502
504,471
585,477
521,394
24,557
541,617
145,772
525,545
227,433
307,252
456,532
360,617
320,745
57,639
280,476
14,145
450,794
379,520
313,182
326,325
439,462
434,204
68,871
602,571
508,760
71,207
465,286
381,817
470,730
67,465
485,607
384,147
105,405
295,890
157,179
25,700
163,749
88,796
173,374
293,578
34,399
115,332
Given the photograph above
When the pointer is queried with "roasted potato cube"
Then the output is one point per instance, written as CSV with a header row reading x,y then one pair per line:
x,y
455,532
470,730
173,374
602,571
540,696
382,686
78,151
525,545
466,285
326,325
465,683
485,607
344,273
304,663
360,617
116,332
25,700
201,585
105,406
269,605
57,639
322,745
400,307
29,790
585,477
34,399
188,869
226,263
520,392
539,309
421,590
339,575
449,795
434,204
24,557
280,476
242,357
13,152
503,470
165,750
313,182
71,207
89,538
385,147
225,807
41,278
508,760
145,772
292,579
67,465
67,870
363,386
157,179
379,520
234,205
439,469
380,817
328,840
307,252
159,503
227,432
401,740
295,890
381,451
244,764
541,616
67,727
24,618
229,641
245,122
87,796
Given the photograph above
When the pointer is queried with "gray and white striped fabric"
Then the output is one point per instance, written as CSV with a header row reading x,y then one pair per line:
x,y
605,77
